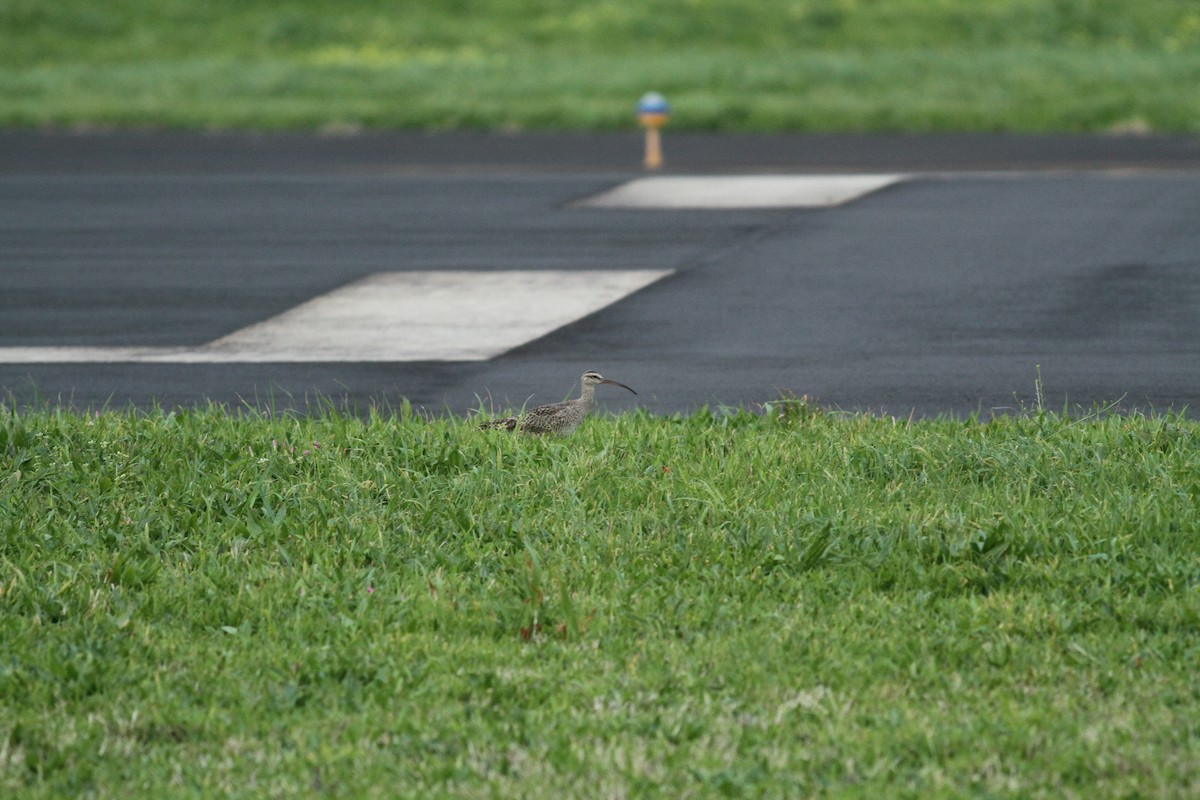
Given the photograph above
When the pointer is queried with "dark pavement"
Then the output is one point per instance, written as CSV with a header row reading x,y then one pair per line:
x,y
391,153
1078,256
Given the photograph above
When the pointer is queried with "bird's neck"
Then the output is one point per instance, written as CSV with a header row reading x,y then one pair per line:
x,y
587,393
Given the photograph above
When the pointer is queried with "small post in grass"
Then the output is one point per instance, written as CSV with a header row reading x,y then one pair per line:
x,y
653,112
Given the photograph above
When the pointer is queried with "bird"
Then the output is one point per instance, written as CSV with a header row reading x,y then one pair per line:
x,y
560,418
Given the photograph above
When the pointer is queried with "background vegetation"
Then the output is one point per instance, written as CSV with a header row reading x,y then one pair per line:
x,y
795,604
901,65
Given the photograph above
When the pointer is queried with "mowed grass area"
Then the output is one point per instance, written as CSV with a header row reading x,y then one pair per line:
x,y
202,603
901,65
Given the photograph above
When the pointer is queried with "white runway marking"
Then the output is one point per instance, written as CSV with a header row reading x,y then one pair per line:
x,y
396,316
740,191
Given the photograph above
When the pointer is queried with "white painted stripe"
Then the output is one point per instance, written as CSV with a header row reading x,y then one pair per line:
x,y
740,191
77,355
396,316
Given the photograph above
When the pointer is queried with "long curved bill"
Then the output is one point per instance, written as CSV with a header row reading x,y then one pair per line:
x,y
616,383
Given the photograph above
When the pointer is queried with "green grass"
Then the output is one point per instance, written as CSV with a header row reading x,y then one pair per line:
x,y
904,65
200,603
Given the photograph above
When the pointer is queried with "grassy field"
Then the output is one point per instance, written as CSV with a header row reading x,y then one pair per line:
x,y
904,65
205,604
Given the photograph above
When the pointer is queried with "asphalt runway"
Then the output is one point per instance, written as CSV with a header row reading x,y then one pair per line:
x,y
997,260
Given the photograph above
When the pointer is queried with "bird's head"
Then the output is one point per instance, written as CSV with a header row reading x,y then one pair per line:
x,y
593,378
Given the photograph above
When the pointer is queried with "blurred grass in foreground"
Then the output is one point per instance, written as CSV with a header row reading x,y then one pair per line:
x,y
903,65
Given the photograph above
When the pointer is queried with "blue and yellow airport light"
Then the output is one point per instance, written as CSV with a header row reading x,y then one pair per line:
x,y
653,111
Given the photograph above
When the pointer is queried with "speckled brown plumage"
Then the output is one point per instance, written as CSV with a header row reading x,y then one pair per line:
x,y
557,418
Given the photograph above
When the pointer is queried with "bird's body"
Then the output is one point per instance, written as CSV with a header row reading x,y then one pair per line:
x,y
561,418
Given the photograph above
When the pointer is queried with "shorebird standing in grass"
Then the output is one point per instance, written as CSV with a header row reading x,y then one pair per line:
x,y
560,418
